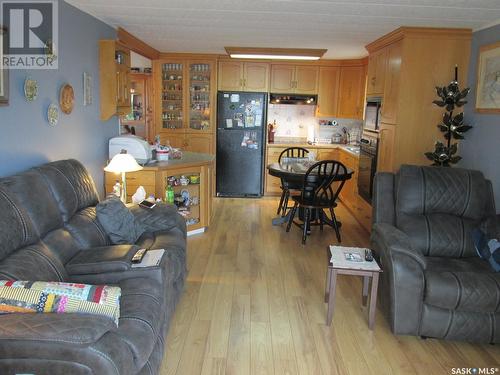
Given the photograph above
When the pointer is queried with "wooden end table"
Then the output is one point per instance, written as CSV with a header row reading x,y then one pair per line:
x,y
341,266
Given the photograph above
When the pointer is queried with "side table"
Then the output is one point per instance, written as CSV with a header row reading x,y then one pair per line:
x,y
339,265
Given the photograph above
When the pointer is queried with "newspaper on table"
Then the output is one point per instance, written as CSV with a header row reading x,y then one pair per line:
x,y
152,258
351,258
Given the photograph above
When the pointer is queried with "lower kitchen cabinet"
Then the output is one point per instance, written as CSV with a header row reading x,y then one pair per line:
x,y
144,178
349,196
193,142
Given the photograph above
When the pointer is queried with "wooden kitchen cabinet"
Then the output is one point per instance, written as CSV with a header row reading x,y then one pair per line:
x,y
243,76
385,158
142,178
203,143
256,77
282,79
114,77
185,97
390,101
192,142
327,154
329,79
376,72
272,184
306,79
408,117
294,79
351,89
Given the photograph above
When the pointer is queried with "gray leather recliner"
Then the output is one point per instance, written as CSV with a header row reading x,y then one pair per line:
x,y
434,284
49,232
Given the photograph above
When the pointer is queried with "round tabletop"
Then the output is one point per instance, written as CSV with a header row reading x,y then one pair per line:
x,y
296,171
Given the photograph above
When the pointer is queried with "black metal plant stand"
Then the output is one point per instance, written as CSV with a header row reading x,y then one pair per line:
x,y
452,125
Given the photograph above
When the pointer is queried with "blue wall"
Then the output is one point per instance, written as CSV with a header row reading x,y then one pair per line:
x,y
481,148
26,138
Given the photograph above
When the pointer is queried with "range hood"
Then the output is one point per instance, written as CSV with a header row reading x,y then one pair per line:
x,y
294,99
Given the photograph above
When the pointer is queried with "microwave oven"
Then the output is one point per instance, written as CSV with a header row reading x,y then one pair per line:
x,y
372,113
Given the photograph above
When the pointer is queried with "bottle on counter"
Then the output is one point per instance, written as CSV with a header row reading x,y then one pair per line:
x,y
271,128
117,189
169,194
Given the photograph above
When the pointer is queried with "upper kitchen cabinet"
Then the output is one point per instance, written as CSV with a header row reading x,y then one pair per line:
x,y
114,77
329,79
243,76
390,92
408,117
298,79
351,92
376,72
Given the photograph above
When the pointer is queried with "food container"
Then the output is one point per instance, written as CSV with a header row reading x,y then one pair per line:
x,y
194,179
161,155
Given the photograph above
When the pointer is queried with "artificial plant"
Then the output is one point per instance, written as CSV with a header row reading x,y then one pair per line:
x,y
452,125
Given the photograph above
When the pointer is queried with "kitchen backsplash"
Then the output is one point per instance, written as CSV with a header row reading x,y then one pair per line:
x,y
298,121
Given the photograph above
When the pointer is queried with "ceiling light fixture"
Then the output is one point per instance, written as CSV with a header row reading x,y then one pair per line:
x,y
275,53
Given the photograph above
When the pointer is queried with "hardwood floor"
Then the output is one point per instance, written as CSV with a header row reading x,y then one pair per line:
x,y
253,304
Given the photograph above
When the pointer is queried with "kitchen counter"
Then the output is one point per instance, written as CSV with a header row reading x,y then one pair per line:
x,y
353,150
153,178
189,159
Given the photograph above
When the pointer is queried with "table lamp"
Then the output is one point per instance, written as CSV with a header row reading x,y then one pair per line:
x,y
123,163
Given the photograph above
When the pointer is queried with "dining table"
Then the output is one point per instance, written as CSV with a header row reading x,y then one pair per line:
x,y
292,171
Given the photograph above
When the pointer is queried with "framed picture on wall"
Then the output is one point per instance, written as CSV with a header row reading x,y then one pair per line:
x,y
488,79
4,73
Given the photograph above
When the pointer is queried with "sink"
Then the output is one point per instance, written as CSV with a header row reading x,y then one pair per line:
x,y
353,149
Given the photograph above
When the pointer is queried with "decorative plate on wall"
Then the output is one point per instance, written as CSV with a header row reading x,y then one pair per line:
x,y
53,114
67,98
30,89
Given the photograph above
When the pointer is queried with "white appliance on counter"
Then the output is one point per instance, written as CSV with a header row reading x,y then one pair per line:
x,y
135,146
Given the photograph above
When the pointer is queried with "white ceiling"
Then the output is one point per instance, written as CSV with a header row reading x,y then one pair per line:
x,y
343,27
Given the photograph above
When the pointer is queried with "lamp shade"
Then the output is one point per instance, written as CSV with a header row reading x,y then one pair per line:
x,y
122,163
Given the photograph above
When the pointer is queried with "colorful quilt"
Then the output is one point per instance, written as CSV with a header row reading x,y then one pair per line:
x,y
57,297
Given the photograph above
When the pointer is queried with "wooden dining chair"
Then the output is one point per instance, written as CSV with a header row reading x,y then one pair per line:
x,y
286,186
321,187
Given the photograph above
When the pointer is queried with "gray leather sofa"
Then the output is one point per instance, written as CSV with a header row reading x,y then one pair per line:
x,y
49,232
434,284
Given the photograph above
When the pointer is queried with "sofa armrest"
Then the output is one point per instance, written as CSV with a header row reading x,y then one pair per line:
x,y
403,280
160,217
67,328
394,240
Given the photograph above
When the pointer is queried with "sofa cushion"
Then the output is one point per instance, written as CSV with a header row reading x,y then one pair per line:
x,y
16,228
462,285
71,185
86,229
33,262
43,210
141,316
118,221
439,234
453,191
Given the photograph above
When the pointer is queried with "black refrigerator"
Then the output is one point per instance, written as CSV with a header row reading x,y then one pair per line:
x,y
241,125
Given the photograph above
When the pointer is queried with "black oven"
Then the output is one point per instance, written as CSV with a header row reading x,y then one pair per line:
x,y
367,165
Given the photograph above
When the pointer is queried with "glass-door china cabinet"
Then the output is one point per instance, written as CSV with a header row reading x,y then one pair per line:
x,y
186,117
